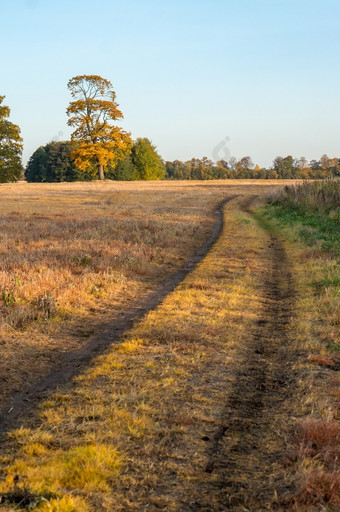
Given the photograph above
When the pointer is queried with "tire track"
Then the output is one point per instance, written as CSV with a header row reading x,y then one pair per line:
x,y
245,455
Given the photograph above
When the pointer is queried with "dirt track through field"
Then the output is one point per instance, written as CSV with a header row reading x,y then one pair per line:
x,y
246,454
238,453
234,457
24,403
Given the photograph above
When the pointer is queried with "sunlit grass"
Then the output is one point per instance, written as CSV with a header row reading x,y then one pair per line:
x,y
149,401
143,393
75,255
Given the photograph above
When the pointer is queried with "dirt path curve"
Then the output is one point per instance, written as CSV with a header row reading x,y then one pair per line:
x,y
245,456
24,403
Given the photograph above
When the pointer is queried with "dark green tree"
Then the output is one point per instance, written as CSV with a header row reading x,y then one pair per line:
x,y
11,169
52,163
147,162
123,171
221,171
36,169
178,170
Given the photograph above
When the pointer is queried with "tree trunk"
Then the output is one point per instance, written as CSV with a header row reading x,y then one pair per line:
x,y
101,172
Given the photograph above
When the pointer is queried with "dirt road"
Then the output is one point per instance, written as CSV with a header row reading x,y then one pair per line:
x,y
246,452
235,452
214,370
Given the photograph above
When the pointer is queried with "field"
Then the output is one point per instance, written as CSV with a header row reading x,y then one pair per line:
x,y
75,256
139,373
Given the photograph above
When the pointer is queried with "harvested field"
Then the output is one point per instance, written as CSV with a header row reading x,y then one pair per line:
x,y
200,403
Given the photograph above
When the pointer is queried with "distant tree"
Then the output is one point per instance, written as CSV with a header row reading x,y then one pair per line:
x,y
337,170
284,166
195,169
178,170
175,170
147,162
246,163
123,171
287,167
221,170
53,163
302,170
170,169
301,163
272,175
315,165
262,174
324,162
334,166
96,140
36,169
243,168
10,147
204,169
223,163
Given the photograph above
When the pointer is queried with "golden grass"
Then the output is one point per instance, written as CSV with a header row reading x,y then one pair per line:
x,y
145,399
73,255
131,434
153,400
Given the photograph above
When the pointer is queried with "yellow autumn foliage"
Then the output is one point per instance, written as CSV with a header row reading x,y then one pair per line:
x,y
96,141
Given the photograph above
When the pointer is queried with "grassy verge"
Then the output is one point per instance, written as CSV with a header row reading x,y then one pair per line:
x,y
309,218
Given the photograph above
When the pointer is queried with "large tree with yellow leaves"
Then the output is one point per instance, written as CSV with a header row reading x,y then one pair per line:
x,y
96,141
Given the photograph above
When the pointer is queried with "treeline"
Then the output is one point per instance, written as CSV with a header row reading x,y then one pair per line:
x,y
282,168
53,163
100,150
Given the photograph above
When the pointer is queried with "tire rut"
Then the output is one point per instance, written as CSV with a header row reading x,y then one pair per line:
x,y
246,452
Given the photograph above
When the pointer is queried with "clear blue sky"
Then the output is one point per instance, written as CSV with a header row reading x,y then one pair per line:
x,y
187,73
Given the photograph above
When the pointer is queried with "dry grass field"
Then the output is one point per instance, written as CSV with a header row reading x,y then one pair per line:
x,y
72,256
209,402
